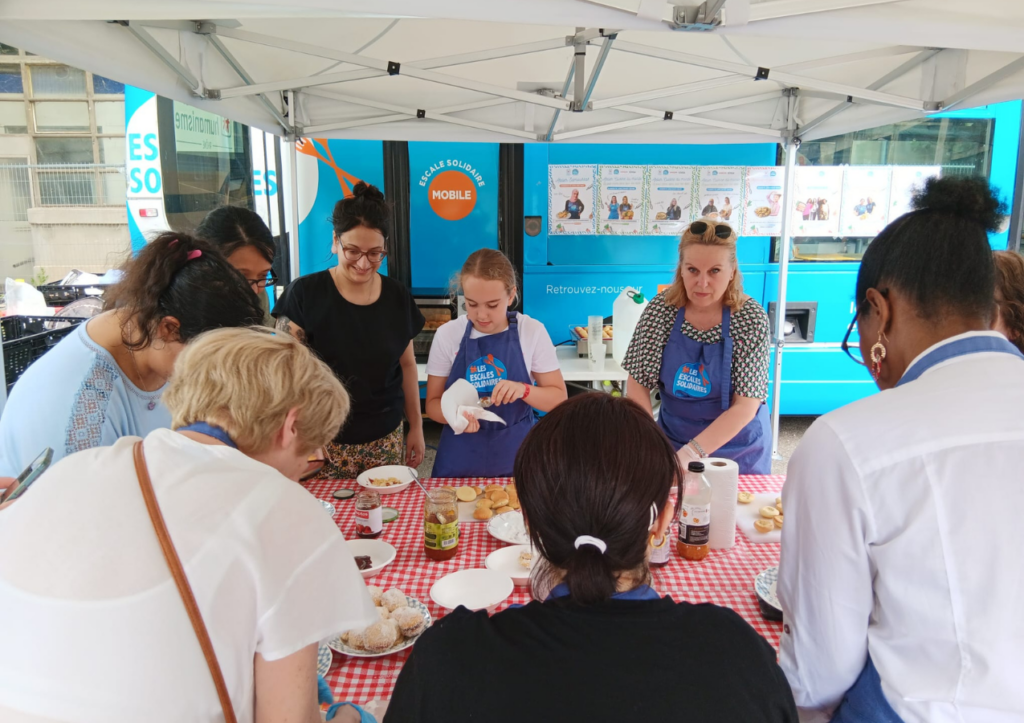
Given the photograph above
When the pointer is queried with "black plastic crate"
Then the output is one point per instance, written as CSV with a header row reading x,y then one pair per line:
x,y
26,339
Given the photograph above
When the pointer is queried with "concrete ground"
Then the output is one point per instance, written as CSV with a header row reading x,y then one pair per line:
x,y
791,430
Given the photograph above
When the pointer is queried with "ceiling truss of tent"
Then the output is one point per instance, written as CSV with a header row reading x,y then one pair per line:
x,y
272,95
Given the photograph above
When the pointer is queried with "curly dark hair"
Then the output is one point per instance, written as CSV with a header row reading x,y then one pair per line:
x,y
1010,284
180,276
365,207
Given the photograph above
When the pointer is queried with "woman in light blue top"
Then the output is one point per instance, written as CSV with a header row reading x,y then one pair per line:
x,y
104,380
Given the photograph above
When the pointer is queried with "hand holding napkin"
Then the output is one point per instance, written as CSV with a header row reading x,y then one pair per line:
x,y
461,397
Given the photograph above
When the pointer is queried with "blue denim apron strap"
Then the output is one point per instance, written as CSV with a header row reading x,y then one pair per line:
x,y
865,702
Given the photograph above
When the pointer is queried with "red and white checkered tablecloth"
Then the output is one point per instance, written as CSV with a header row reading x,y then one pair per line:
x,y
724,577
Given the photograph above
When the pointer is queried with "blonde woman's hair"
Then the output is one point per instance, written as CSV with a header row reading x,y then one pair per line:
x,y
733,298
489,265
247,380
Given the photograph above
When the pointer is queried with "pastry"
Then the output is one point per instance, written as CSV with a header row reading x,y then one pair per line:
x,y
356,639
393,599
479,491
396,627
778,502
484,504
769,512
778,521
503,510
744,498
410,622
379,637
375,593
493,488
466,494
764,525
482,513
526,559
384,614
500,499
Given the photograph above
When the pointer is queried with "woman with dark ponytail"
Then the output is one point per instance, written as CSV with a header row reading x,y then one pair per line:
x,y
104,380
362,323
593,478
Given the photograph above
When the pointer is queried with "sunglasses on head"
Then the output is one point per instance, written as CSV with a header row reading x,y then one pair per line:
x,y
699,228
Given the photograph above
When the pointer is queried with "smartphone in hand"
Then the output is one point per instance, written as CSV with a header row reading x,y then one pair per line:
x,y
26,478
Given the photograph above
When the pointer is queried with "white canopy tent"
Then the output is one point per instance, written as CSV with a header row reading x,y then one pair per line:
x,y
560,71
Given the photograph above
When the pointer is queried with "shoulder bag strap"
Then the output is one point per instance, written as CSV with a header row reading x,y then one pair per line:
x,y
178,572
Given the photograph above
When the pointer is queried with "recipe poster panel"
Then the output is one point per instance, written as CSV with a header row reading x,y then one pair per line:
x,y
720,194
621,200
906,180
572,192
670,193
818,192
765,187
865,209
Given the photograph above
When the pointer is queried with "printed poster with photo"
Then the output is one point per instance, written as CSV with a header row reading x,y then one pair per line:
x,y
670,195
720,195
818,193
764,191
865,209
572,194
621,200
906,180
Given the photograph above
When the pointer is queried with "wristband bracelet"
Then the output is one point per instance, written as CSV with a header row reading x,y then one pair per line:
x,y
526,390
697,448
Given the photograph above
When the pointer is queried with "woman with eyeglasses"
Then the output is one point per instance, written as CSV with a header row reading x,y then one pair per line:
x,y
900,576
703,344
246,242
362,323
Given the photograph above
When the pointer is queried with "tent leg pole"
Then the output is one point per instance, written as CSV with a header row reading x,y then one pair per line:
x,y
293,183
780,304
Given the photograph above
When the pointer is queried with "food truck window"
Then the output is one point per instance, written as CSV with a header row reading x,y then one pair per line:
x,y
960,146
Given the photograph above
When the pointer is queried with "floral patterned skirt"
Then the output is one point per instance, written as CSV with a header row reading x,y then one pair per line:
x,y
348,461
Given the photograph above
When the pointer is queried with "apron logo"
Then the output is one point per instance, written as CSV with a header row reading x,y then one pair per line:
x,y
486,372
691,380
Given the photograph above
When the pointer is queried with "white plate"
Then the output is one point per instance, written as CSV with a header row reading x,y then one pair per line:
x,y
506,561
381,554
747,514
765,587
396,470
323,659
509,528
340,647
329,507
477,589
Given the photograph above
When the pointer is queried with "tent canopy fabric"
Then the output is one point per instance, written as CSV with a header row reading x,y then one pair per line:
x,y
568,71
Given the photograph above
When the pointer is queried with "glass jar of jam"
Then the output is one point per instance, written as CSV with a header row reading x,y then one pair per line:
x,y
440,524
369,515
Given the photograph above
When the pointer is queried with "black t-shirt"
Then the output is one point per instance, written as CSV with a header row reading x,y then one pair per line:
x,y
624,660
362,344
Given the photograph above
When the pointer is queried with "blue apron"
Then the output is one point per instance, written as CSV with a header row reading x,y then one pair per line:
x,y
696,387
490,452
210,430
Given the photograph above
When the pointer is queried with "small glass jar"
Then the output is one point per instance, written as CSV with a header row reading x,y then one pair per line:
x,y
369,514
660,550
441,524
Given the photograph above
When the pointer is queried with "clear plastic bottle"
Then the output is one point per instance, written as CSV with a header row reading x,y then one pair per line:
x,y
694,514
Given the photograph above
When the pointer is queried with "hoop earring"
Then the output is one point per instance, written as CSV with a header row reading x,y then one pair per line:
x,y
664,541
877,356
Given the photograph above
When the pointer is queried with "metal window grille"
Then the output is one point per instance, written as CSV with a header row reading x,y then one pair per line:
x,y
24,186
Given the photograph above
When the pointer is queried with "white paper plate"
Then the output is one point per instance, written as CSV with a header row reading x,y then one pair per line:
x,y
381,554
506,561
477,589
324,657
396,470
747,514
509,528
340,647
765,587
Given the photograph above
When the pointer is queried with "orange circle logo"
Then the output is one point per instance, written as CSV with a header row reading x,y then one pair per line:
x,y
452,195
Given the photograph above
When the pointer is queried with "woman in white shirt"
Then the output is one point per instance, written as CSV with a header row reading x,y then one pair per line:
x,y
506,356
96,631
900,576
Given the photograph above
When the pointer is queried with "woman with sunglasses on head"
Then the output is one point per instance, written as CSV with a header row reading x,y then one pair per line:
x,y
598,643
900,575
245,241
703,344
362,324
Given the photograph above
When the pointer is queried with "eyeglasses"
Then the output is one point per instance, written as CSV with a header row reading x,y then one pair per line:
x,y
353,254
269,280
854,352
699,228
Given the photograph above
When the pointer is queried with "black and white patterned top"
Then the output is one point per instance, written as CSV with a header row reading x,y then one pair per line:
x,y
750,351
